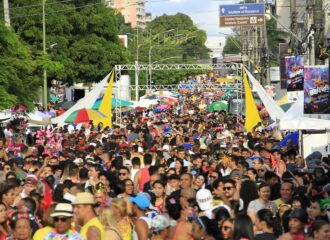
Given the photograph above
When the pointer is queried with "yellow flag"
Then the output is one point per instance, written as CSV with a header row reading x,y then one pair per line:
x,y
106,104
252,116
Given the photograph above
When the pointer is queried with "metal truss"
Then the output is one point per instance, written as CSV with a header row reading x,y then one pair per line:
x,y
155,67
176,87
235,67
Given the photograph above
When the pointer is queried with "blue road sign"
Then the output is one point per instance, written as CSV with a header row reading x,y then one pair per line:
x,y
231,10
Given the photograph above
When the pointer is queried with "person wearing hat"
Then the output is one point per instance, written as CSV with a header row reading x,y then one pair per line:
x,y
298,218
30,184
86,217
142,225
62,217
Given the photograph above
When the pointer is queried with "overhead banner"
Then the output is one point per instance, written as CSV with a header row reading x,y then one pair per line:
x,y
294,66
316,90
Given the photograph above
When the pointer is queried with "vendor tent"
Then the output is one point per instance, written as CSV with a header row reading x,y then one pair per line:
x,y
86,102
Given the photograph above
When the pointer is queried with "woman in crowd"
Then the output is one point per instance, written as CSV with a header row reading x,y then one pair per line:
x,y
265,224
7,195
321,230
243,228
4,229
248,193
262,202
108,220
119,206
159,190
21,226
227,229
204,228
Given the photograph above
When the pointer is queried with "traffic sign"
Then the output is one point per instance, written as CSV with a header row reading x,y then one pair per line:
x,y
235,15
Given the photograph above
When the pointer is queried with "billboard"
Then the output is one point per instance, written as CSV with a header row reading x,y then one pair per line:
x,y
294,72
316,90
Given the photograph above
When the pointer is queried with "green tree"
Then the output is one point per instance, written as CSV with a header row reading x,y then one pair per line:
x,y
85,33
18,82
170,39
232,46
274,37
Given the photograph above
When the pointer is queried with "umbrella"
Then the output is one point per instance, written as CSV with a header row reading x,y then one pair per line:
x,y
85,115
65,105
115,102
217,107
292,136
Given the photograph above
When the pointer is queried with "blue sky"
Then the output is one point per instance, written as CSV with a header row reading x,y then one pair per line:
x,y
204,13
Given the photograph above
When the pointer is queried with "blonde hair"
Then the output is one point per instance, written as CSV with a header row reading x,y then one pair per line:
x,y
121,204
108,220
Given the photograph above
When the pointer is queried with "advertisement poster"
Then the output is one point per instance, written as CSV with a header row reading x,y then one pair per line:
x,y
316,90
294,71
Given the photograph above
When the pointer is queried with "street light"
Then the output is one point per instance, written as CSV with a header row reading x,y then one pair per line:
x,y
167,31
44,51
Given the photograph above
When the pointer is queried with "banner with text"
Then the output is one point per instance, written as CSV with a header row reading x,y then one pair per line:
x,y
316,90
294,71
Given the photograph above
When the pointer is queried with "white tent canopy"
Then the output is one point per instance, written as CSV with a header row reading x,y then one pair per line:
x,y
274,110
294,119
86,102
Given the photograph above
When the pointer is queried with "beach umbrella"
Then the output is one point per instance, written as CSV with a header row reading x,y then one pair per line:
x,y
217,107
85,115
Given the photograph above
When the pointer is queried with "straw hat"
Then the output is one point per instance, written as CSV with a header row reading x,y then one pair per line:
x,y
63,209
84,198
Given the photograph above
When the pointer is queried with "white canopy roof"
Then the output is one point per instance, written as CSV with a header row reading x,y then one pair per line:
x,y
86,102
274,110
294,119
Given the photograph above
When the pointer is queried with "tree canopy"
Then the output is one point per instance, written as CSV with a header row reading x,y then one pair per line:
x,y
169,39
19,83
84,35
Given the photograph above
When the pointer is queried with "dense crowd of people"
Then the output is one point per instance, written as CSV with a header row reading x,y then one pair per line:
x,y
180,174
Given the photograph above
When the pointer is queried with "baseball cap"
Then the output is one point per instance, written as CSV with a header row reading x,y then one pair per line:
x,y
19,162
204,199
141,200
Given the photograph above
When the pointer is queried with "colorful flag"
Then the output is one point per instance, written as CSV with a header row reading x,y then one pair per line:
x,y
106,103
252,117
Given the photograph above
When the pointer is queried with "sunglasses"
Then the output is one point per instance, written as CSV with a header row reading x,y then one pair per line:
x,y
227,188
226,228
214,177
57,219
122,174
261,170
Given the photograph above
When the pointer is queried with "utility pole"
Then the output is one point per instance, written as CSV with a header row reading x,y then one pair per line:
x,y
294,27
45,97
137,67
6,13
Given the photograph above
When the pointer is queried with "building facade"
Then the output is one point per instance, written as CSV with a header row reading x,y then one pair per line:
x,y
132,10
